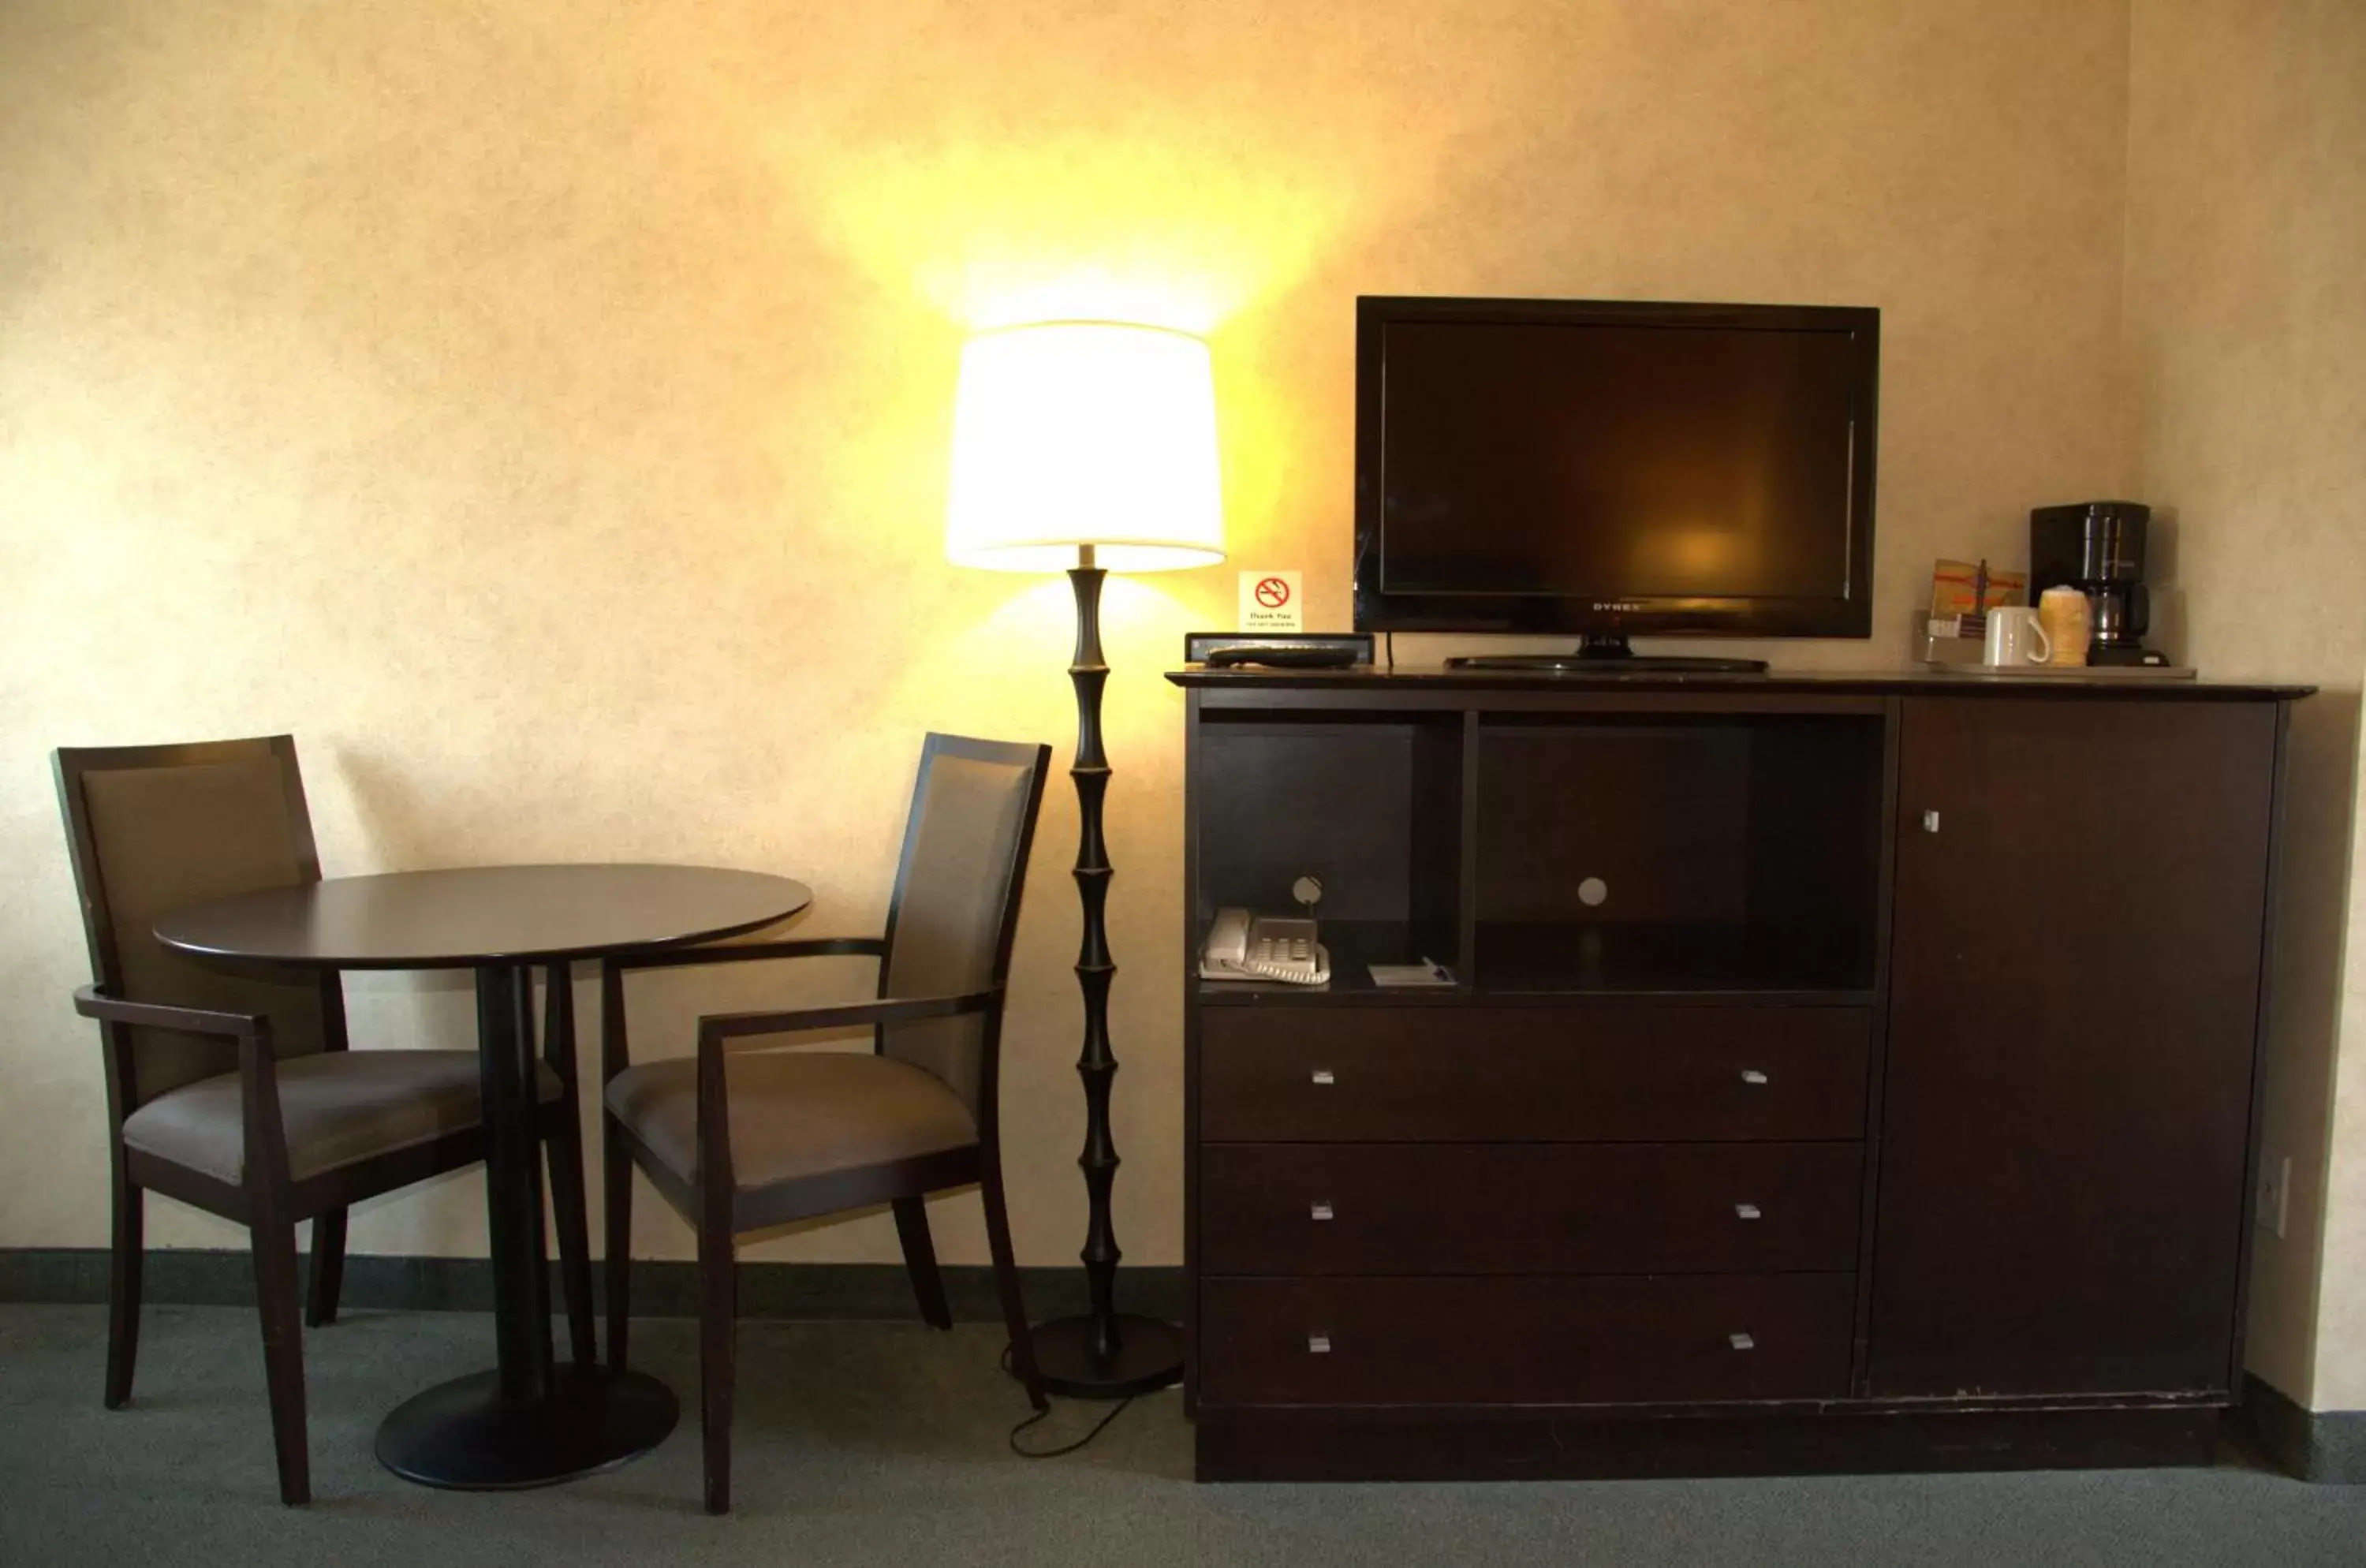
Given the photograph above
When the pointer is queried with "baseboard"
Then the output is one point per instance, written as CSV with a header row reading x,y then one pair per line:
x,y
661,1287
2325,1445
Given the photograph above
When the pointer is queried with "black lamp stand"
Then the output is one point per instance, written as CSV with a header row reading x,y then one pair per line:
x,y
1105,1353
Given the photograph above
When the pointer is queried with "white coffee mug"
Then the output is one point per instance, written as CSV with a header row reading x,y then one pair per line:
x,y
2016,638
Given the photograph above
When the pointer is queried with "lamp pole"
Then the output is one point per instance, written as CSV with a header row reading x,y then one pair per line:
x,y
1105,1353
1059,427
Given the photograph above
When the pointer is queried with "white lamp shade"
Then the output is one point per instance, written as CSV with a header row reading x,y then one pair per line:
x,y
1085,433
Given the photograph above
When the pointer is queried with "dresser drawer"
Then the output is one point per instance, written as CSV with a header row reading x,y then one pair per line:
x,y
1288,1209
1468,1075
1610,1339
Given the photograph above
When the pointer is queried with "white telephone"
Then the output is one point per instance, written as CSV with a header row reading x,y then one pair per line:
x,y
1241,946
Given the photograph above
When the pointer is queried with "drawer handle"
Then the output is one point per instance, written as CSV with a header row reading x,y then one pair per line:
x,y
1745,1212
1929,821
1752,1076
1318,1211
1323,1074
1318,1344
1741,1341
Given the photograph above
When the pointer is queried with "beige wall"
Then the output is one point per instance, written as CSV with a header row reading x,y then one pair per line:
x,y
2246,396
543,412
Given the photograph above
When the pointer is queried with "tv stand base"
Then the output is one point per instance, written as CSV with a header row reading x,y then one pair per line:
x,y
1597,665
1608,654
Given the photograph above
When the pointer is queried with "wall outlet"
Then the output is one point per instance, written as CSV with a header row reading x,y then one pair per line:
x,y
2275,1193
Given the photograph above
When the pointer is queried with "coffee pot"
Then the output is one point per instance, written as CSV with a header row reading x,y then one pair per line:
x,y
2098,547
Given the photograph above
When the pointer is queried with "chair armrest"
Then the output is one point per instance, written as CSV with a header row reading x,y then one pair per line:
x,y
716,1029
615,1052
258,1071
91,1002
743,952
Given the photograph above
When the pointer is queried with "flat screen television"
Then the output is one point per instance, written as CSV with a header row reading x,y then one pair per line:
x,y
1610,468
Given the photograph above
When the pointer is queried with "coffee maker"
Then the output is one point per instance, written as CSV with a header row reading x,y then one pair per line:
x,y
2098,547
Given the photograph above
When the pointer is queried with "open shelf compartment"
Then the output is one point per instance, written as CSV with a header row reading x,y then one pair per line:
x,y
1656,854
1370,803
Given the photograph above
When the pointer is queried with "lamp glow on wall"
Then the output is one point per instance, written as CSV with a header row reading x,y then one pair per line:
x,y
1089,446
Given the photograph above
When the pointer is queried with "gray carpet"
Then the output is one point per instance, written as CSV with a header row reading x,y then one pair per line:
x,y
884,1443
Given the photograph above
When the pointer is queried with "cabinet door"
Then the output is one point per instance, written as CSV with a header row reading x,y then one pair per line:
x,y
2074,1001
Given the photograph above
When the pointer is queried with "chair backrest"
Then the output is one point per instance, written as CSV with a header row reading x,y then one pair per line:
x,y
155,828
956,904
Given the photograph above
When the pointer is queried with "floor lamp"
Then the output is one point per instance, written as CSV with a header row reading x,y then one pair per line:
x,y
1089,446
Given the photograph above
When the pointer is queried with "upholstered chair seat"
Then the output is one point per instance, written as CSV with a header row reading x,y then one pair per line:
x,y
794,1114
338,1107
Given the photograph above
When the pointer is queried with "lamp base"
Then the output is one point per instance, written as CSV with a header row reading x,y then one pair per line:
x,y
1149,1357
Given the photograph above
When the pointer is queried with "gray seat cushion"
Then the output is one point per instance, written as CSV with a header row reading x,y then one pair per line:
x,y
337,1106
794,1114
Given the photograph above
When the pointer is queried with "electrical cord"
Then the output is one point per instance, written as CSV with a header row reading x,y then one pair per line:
x,y
1067,1448
1098,1427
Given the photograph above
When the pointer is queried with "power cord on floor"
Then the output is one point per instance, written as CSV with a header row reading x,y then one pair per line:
x,y
1098,1427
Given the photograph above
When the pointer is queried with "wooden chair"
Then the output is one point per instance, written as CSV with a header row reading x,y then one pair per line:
x,y
818,1132
234,1092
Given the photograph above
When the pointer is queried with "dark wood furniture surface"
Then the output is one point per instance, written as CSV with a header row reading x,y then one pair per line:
x,y
1842,1071
471,915
527,1422
745,1134
1586,1209
1460,1342
1380,1074
2071,1114
1603,691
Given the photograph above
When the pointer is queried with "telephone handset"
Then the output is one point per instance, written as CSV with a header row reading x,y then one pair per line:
x,y
1241,946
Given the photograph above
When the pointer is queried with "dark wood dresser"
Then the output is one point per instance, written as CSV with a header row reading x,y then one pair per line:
x,y
1847,1072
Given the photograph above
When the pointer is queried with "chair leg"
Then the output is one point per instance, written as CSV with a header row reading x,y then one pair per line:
x,y
283,1354
564,1147
123,1277
920,1261
1006,1282
616,1178
718,1308
328,1267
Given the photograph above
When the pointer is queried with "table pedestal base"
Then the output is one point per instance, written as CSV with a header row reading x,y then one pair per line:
x,y
463,1435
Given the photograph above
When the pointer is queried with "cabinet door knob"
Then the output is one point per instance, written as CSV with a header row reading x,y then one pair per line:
x,y
1929,821
1752,1075
1745,1211
1318,1344
1323,1074
1741,1341
1318,1210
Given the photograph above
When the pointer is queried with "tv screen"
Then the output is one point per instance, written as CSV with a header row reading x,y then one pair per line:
x,y
1608,467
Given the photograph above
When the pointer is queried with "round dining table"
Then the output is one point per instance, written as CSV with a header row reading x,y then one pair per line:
x,y
528,1422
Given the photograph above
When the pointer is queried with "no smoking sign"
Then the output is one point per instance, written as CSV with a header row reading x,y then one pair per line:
x,y
1270,602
